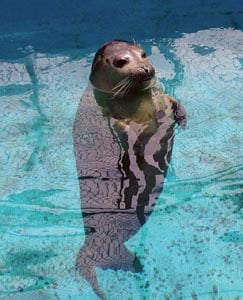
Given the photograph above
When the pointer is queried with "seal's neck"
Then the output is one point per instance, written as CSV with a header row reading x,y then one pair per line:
x,y
101,93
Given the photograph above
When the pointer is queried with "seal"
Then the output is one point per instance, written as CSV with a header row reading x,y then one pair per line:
x,y
123,138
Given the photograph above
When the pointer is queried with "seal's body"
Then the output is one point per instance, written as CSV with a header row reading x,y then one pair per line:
x,y
123,137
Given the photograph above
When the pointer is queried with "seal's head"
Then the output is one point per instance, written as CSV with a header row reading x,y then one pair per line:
x,y
121,67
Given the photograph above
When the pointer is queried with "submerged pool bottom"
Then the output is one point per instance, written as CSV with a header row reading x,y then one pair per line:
x,y
191,245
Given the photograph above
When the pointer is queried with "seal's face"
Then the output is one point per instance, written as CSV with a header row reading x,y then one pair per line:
x,y
120,68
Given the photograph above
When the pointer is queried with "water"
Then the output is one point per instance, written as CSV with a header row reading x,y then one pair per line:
x,y
192,243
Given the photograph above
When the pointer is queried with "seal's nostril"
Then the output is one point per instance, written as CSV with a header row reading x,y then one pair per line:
x,y
145,69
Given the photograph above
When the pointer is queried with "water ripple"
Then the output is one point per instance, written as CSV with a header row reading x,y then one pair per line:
x,y
226,184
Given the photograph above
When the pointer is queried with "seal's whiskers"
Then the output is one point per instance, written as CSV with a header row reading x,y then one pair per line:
x,y
122,87
121,83
127,88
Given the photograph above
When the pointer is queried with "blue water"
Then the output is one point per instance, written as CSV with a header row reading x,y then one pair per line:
x,y
192,243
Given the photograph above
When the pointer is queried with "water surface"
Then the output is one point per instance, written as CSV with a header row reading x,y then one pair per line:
x,y
192,243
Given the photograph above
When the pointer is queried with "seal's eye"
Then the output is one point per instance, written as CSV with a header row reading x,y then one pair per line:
x,y
143,55
119,63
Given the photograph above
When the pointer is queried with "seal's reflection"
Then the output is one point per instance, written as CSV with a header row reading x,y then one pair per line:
x,y
123,143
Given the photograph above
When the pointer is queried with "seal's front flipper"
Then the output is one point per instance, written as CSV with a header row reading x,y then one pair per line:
x,y
179,113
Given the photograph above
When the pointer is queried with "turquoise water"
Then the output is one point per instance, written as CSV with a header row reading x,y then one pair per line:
x,y
191,246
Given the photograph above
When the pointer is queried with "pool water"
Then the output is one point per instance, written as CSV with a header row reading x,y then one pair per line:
x,y
191,246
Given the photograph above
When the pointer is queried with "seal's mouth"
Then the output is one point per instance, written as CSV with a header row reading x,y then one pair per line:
x,y
148,82
144,76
